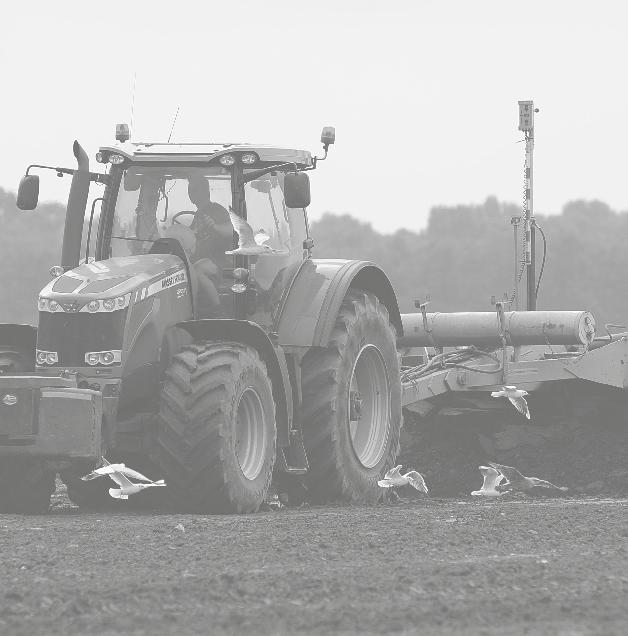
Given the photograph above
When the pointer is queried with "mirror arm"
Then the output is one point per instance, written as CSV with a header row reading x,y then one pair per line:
x,y
93,176
251,176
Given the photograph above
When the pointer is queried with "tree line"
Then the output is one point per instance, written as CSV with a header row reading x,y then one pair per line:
x,y
461,259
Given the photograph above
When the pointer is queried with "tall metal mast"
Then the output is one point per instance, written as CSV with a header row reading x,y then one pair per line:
x,y
526,124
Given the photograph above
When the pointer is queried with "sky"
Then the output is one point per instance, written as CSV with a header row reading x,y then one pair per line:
x,y
423,94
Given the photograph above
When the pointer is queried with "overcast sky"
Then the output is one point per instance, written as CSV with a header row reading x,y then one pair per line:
x,y
423,94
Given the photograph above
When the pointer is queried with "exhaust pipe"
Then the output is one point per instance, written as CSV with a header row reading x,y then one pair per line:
x,y
75,213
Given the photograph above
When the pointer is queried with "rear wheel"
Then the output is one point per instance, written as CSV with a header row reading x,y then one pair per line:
x,y
352,404
215,442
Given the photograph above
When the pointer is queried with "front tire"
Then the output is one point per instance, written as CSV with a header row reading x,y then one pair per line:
x,y
352,404
215,441
25,485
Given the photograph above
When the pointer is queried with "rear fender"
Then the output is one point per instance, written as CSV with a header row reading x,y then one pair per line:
x,y
313,301
250,334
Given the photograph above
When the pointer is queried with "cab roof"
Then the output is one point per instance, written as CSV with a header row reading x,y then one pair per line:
x,y
146,151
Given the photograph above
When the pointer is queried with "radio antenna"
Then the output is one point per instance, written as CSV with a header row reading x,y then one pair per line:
x,y
174,121
133,103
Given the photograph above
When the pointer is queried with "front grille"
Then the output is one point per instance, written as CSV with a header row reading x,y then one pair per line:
x,y
73,335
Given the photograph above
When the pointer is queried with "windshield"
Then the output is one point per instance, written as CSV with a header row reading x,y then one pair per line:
x,y
189,204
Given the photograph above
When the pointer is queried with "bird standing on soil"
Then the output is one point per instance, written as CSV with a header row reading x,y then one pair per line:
x,y
516,397
122,476
521,483
394,479
492,479
250,244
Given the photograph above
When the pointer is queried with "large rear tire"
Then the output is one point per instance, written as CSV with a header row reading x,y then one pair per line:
x,y
215,441
352,404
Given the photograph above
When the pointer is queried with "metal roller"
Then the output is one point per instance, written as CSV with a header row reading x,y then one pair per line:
x,y
482,328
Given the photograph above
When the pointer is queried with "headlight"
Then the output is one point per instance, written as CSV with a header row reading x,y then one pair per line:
x,y
105,358
248,158
93,306
227,160
116,159
92,358
107,305
46,357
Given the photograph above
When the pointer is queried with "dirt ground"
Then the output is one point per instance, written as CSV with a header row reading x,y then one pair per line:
x,y
428,566
447,564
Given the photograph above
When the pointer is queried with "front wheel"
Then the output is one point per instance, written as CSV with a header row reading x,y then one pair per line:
x,y
25,487
215,441
352,404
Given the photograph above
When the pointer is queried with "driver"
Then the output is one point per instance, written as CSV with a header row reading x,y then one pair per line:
x,y
211,224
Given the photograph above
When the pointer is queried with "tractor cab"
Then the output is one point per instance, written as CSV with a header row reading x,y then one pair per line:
x,y
185,199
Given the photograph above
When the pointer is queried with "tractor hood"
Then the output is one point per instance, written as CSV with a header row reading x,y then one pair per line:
x,y
115,278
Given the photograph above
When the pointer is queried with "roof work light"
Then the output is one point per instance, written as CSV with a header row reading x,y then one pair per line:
x,y
122,132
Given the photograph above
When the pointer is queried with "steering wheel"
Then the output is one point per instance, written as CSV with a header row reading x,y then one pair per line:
x,y
178,214
201,225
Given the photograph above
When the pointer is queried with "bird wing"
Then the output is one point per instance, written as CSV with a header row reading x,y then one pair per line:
x,y
492,477
546,484
244,230
133,474
416,480
393,472
521,405
122,480
510,473
107,469
261,237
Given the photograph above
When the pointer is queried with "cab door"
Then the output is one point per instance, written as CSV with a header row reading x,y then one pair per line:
x,y
271,273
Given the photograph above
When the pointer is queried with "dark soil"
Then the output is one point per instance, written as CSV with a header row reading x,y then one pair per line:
x,y
456,565
427,566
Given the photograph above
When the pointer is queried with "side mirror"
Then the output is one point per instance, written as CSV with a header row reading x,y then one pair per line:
x,y
28,192
297,190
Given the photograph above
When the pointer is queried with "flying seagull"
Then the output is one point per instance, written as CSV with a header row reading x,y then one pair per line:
x,y
492,479
516,397
250,244
122,476
518,482
394,479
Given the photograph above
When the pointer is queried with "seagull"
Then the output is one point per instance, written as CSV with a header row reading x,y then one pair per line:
x,y
516,398
492,479
250,244
518,482
393,479
122,476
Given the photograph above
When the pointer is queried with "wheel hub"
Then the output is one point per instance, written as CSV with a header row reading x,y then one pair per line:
x,y
251,437
369,406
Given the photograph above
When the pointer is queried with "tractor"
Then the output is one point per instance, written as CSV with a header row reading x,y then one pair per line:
x,y
189,332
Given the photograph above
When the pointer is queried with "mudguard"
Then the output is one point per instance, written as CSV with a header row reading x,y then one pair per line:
x,y
310,307
251,334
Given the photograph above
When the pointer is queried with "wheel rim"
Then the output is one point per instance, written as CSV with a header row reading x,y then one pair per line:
x,y
369,406
250,439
